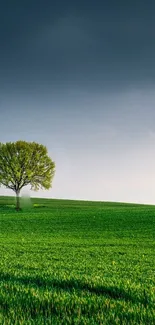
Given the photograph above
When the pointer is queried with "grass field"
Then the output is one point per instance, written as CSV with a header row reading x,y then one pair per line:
x,y
74,262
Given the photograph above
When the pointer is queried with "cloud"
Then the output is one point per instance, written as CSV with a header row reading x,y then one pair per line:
x,y
67,32
151,135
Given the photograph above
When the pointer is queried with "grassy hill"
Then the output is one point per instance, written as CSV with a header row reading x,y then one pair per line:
x,y
76,262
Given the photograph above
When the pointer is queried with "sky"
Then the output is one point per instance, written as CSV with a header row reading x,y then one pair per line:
x,y
79,77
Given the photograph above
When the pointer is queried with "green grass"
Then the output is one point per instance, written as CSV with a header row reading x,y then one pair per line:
x,y
76,262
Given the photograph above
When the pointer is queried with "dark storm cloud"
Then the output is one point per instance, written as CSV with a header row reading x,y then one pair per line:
x,y
76,43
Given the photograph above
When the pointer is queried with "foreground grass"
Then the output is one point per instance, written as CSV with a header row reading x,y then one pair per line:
x,y
72,262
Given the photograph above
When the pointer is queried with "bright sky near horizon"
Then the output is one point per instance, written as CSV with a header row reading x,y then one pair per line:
x,y
79,77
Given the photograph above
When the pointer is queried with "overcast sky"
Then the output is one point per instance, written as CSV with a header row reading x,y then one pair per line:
x,y
79,77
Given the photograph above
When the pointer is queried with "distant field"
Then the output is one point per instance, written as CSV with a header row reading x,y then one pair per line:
x,y
76,262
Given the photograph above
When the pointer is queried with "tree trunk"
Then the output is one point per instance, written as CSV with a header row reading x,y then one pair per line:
x,y
17,201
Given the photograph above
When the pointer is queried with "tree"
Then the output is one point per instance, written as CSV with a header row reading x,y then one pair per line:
x,y
25,163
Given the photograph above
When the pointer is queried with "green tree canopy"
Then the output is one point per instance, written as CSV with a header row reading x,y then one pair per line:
x,y
25,163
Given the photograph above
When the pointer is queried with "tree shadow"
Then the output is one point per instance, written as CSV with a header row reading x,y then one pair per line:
x,y
112,292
